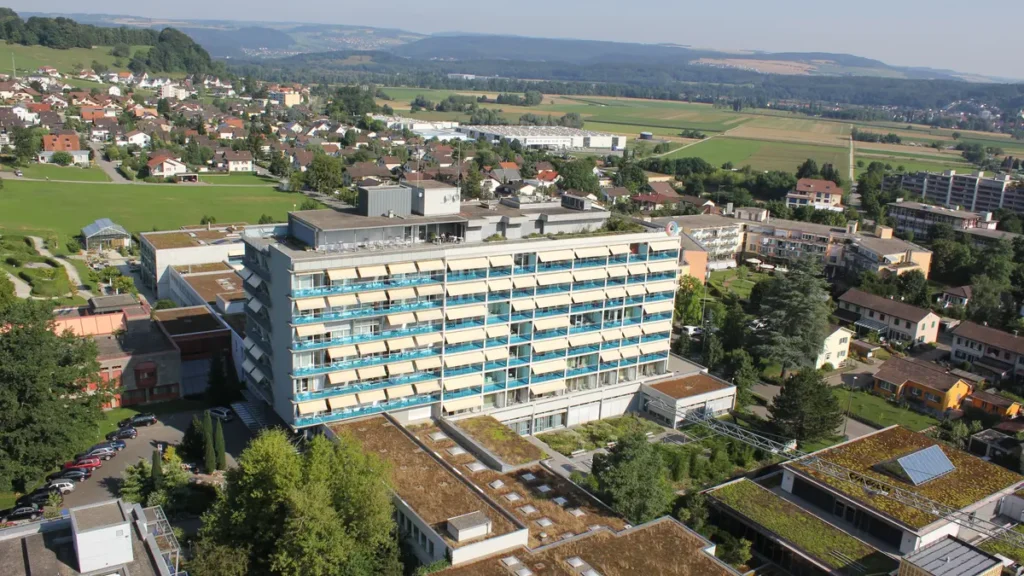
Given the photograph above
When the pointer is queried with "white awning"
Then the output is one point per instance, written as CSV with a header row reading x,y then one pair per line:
x,y
495,354
585,339
460,382
662,266
341,352
430,265
460,360
497,330
463,336
610,335
401,294
248,342
429,315
619,249
520,305
402,268
399,368
248,365
372,297
663,245
617,271
254,281
551,323
616,292
256,352
637,269
499,284
466,312
432,363
312,406
653,347
310,330
463,404
400,319
658,307
524,281
555,256
310,304
341,274
467,288
255,305
257,374
503,260
371,372
343,377
636,290
593,252
610,355
550,279
630,331
372,271
548,387
549,301
427,387
548,367
669,286
399,392
543,346
400,344
589,274
589,296
428,339
430,290
467,264
339,402
371,396
367,348
342,300
657,327
630,351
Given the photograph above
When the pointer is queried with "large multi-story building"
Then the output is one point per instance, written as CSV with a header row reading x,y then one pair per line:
x,y
718,236
975,192
549,137
920,219
817,194
515,309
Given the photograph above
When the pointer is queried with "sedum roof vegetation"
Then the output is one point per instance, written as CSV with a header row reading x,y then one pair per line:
x,y
994,546
501,440
972,479
805,531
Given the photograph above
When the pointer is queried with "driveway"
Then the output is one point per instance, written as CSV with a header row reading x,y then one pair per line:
x,y
859,376
105,165
105,481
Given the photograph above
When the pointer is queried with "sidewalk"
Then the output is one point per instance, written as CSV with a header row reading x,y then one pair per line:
x,y
73,276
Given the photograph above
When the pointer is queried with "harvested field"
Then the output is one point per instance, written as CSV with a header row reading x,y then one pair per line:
x,y
762,66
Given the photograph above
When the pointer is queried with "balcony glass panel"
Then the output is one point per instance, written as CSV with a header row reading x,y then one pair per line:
x,y
464,347
509,384
550,266
550,333
525,269
538,378
552,311
356,286
398,404
366,386
471,369
462,393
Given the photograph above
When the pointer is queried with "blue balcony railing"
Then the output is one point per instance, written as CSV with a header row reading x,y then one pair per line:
x,y
494,387
553,266
609,365
549,356
552,311
656,317
631,321
517,339
499,272
590,263
347,413
512,361
366,386
472,299
580,371
366,362
525,269
366,312
551,333
592,285
497,319
553,289
616,282
499,295
588,307
522,316
522,293
618,259
659,296
474,323
464,347
364,286
585,328
475,390
637,258
500,365
538,378
497,342
594,349
471,369
358,338
467,275
667,255
653,357
509,384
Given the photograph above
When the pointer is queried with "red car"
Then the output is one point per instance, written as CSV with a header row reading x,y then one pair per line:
x,y
87,463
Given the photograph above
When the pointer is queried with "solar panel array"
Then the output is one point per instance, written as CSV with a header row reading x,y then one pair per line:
x,y
925,465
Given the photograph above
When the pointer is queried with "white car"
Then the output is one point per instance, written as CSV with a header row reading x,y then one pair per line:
x,y
693,330
222,414
64,486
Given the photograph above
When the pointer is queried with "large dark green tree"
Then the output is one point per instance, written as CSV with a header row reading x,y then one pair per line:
x,y
795,310
632,478
218,446
806,408
578,175
47,413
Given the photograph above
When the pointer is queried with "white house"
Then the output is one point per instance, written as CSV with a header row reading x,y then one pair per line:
x,y
25,115
835,348
137,138
165,167
240,161
114,91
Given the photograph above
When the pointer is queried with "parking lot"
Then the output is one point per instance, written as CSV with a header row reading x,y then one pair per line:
x,y
171,428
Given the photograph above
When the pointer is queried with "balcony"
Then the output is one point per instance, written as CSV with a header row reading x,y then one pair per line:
x,y
668,255
656,317
653,357
550,334
494,366
580,371
364,286
633,258
425,329
616,282
465,324
463,276
522,316
609,365
462,393
471,369
466,347
589,307
660,296
549,356
554,266
499,272
498,319
364,411
525,269
366,312
494,387
497,342
365,362
477,299
366,387
513,362
554,289
592,349
631,321
636,279
518,339
523,293
589,263
618,260
538,378
587,285
510,384
661,276
585,328
559,310
500,295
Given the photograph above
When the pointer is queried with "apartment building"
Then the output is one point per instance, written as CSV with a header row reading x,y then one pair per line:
x,y
927,387
975,192
995,353
816,193
884,254
889,318
720,237
920,219
514,308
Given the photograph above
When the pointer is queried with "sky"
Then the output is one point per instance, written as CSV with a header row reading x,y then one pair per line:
x,y
897,32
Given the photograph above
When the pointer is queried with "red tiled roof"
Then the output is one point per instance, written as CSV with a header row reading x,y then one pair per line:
x,y
816,185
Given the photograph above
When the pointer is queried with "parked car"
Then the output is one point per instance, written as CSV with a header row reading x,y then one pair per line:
x,y
126,433
87,463
63,485
30,512
38,497
75,474
146,419
116,445
693,330
222,414
105,453
19,173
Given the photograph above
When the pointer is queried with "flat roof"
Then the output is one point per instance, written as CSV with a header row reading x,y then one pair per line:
x,y
201,268
135,340
54,553
510,130
971,481
98,516
952,557
936,209
328,219
664,547
189,238
208,286
887,245
698,221
427,486
190,320
694,385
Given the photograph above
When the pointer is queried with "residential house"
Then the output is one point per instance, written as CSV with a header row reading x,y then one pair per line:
x,y
817,194
165,166
702,205
991,402
240,161
26,115
390,162
889,318
615,194
114,90
516,189
505,175
63,142
990,351
835,348
137,138
89,75
361,170
302,159
48,71
956,296
545,178
926,386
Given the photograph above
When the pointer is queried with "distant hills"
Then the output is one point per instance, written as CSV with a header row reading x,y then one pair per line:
x,y
262,40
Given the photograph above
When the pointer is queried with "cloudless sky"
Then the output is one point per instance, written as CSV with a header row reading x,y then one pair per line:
x,y
974,37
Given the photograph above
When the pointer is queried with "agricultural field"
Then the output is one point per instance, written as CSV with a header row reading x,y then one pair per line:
x,y
28,59
29,206
765,155
54,172
793,129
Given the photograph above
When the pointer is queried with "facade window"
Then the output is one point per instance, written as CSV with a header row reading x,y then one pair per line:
x,y
842,354
915,392
932,398
907,323
887,386
844,340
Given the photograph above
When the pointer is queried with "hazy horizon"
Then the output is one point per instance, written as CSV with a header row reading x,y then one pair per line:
x,y
907,33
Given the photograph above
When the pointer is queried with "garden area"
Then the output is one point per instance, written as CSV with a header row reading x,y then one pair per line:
x,y
501,440
879,412
46,276
736,281
597,434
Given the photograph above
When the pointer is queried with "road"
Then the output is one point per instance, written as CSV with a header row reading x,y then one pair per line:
x,y
851,161
73,275
105,165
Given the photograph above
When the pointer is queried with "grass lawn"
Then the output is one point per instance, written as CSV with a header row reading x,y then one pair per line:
x,y
880,412
764,154
738,281
19,258
30,58
237,178
595,434
83,272
54,172
501,440
29,206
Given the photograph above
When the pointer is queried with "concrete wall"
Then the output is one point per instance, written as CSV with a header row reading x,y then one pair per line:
x,y
192,255
490,546
381,201
435,201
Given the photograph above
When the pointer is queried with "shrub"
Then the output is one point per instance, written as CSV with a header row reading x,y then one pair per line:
x,y
13,261
73,246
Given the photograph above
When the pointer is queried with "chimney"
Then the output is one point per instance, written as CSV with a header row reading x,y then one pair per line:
x,y
884,232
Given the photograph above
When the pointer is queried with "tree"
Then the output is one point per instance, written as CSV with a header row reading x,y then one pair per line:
x,y
734,327
124,285
913,288
324,173
471,183
324,512
744,376
62,158
632,477
952,259
713,351
215,559
809,169
309,204
986,305
7,293
193,444
694,511
279,165
156,470
688,301
578,175
806,409
266,219
120,50
218,446
163,107
795,311
631,176
209,453
736,551
47,413
164,304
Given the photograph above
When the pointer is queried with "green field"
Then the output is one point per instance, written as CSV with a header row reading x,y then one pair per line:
x,y
64,208
31,58
53,172
764,155
237,179
738,281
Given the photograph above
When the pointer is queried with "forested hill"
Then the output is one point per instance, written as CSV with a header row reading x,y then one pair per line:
x,y
172,50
